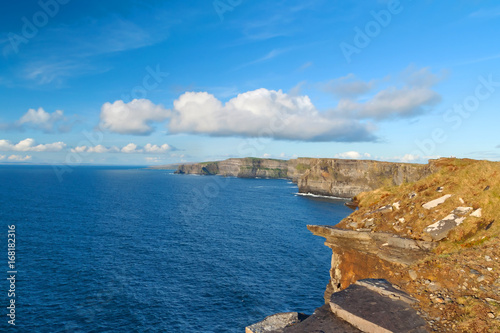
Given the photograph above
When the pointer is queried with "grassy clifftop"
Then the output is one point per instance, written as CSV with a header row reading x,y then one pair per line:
x,y
458,285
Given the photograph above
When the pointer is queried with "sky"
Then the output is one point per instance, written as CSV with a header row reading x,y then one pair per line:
x,y
158,82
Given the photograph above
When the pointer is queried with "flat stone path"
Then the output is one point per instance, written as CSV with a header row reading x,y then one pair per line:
x,y
377,312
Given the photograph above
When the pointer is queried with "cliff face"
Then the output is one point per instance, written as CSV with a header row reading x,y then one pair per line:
x,y
359,255
436,239
239,167
347,178
323,176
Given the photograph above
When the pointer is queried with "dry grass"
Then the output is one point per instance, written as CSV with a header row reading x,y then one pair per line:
x,y
473,184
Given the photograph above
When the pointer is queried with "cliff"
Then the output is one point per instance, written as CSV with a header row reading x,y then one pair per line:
x,y
436,239
239,167
322,176
347,178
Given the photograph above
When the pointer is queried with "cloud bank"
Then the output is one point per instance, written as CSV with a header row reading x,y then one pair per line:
x,y
262,112
282,116
30,145
130,148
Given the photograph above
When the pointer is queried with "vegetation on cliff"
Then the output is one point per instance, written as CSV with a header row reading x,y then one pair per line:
x,y
458,283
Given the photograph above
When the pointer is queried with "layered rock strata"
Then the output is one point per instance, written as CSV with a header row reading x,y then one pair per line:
x,y
321,176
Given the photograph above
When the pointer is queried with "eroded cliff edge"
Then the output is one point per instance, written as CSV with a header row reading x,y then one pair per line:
x,y
437,239
321,176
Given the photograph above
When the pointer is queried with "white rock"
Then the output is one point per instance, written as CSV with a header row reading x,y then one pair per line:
x,y
461,200
477,213
462,210
440,229
436,202
396,205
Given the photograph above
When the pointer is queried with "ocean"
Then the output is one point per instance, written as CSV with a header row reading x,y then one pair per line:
x,y
127,249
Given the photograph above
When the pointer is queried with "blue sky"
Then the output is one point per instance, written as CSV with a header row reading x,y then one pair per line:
x,y
157,82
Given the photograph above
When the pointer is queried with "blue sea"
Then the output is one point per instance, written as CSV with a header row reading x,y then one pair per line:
x,y
127,249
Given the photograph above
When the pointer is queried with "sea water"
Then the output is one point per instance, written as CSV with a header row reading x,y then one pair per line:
x,y
127,249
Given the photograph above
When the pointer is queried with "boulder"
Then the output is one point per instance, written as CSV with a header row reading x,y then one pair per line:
x,y
477,213
276,322
436,202
441,228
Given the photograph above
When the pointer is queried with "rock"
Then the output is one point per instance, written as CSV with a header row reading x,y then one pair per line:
x,y
440,229
402,220
491,315
369,223
322,320
461,200
374,305
384,209
358,255
487,188
477,213
461,211
434,286
491,300
412,195
413,274
276,323
353,225
397,228
481,278
439,300
440,189
436,202
396,205
488,258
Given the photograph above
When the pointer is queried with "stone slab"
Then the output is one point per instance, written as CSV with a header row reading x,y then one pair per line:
x,y
322,320
372,311
436,202
384,288
441,228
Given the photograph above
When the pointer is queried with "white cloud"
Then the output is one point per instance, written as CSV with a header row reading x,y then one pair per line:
x,y
413,96
29,145
19,158
392,102
41,119
154,149
130,148
99,149
2,157
414,158
135,117
348,86
352,155
262,112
